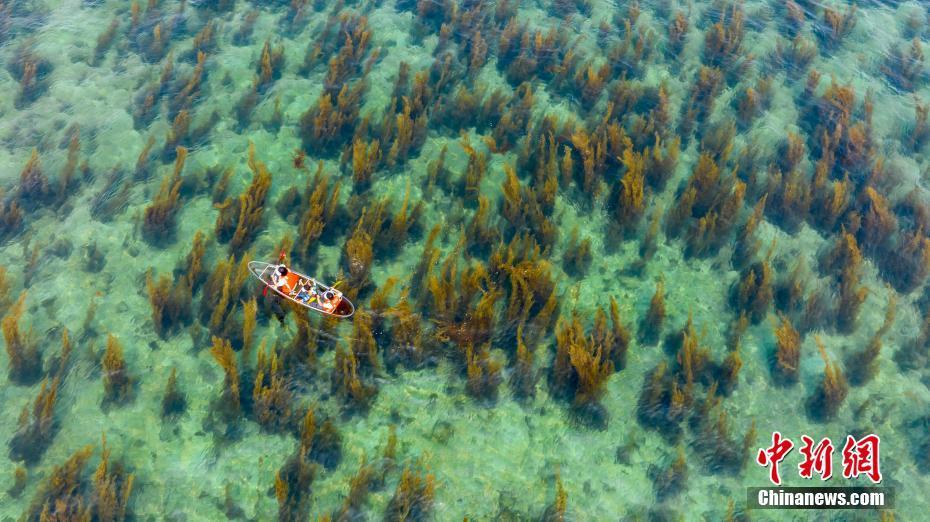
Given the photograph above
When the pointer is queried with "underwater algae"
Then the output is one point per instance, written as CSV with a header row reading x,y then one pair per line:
x,y
599,252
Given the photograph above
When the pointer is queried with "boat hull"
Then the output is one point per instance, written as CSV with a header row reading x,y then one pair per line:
x,y
263,271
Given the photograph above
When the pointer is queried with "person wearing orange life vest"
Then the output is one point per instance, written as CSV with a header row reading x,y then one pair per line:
x,y
280,279
328,300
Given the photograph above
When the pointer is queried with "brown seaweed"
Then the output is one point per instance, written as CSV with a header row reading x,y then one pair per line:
x,y
174,401
25,364
862,365
158,223
70,494
240,219
11,217
413,497
827,399
836,26
37,426
577,257
230,402
271,395
34,187
677,31
723,41
754,292
795,55
581,367
672,479
117,382
650,328
32,72
270,66
327,126
348,384
720,450
322,205
171,303
786,363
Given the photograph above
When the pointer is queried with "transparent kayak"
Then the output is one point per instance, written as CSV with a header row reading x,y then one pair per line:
x,y
338,306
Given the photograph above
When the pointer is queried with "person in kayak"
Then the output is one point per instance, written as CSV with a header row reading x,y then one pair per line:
x,y
280,279
329,300
307,292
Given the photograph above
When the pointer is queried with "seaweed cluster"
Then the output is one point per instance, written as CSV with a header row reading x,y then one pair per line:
x,y
117,381
669,400
25,363
240,219
38,425
583,363
70,493
159,220
32,72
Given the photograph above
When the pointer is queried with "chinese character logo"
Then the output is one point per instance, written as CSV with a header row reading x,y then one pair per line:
x,y
773,455
860,457
819,459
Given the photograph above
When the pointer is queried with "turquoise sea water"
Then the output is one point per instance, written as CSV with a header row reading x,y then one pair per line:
x,y
500,188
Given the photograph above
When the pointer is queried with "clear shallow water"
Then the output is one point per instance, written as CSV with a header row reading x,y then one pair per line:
x,y
486,438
